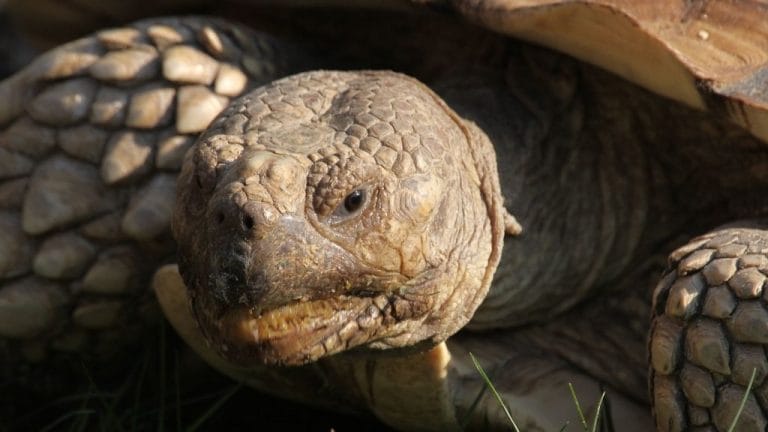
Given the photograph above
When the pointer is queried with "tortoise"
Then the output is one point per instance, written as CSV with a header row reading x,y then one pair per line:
x,y
346,236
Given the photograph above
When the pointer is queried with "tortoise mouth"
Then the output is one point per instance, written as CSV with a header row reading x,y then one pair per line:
x,y
303,331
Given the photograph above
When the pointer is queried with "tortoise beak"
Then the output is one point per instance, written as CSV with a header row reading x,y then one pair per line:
x,y
276,289
266,267
299,332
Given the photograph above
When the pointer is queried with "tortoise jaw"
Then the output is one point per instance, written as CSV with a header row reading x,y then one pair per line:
x,y
289,295
301,332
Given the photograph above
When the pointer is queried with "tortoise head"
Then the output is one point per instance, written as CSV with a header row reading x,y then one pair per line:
x,y
329,211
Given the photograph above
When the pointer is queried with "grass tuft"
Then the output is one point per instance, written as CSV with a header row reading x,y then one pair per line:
x,y
578,407
464,422
596,419
76,414
149,396
213,408
743,401
582,418
496,394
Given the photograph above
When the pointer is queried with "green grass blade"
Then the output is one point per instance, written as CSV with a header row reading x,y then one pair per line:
x,y
137,390
162,379
177,384
743,400
207,414
578,408
468,416
493,390
54,425
82,421
108,401
111,418
596,419
565,426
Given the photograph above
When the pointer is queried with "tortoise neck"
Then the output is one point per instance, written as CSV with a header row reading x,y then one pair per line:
x,y
583,202
603,176
580,193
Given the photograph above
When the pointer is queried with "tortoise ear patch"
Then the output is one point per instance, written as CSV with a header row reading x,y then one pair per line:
x,y
419,197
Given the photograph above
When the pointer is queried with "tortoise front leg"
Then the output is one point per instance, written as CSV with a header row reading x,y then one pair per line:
x,y
92,135
709,333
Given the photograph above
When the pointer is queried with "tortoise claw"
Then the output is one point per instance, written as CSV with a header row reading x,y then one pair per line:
x,y
511,225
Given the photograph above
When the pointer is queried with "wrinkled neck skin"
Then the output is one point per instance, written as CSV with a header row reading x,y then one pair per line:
x,y
605,179
560,181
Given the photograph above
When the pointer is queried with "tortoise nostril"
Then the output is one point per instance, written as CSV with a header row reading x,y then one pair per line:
x,y
220,218
257,218
248,222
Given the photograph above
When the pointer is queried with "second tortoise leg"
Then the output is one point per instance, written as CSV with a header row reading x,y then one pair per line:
x,y
710,332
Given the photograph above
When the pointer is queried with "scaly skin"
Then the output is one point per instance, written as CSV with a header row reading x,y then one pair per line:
x,y
709,332
277,173
92,137
335,211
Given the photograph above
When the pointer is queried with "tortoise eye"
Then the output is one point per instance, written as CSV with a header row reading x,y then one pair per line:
x,y
351,206
354,201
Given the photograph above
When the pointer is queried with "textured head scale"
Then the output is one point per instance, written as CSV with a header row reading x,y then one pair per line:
x,y
331,210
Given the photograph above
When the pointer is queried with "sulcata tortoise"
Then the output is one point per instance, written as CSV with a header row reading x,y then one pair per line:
x,y
346,235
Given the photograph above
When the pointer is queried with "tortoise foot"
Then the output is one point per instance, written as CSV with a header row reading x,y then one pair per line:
x,y
709,333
